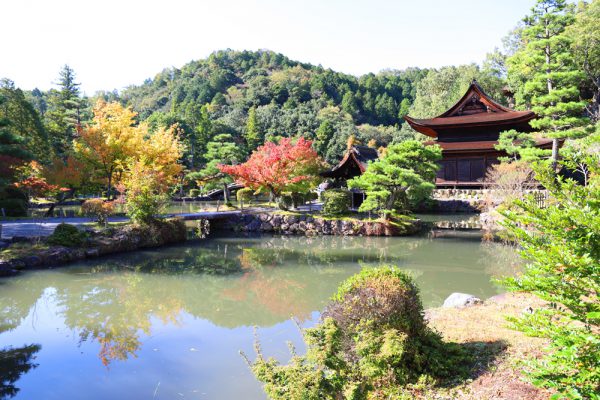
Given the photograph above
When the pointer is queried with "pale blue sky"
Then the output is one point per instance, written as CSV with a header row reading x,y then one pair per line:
x,y
115,43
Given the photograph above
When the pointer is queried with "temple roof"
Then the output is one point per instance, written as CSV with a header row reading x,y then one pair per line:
x,y
474,109
354,163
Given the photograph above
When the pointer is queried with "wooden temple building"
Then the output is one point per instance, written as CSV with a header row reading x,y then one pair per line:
x,y
468,133
354,163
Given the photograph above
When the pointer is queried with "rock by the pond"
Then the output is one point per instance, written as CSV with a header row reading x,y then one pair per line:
x,y
461,300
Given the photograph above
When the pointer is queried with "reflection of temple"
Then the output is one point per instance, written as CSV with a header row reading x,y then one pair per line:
x,y
467,134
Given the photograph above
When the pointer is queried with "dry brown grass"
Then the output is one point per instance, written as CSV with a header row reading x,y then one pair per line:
x,y
497,349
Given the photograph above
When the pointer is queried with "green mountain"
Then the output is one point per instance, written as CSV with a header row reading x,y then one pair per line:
x,y
282,97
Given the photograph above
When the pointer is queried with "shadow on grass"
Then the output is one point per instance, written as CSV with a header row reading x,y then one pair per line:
x,y
474,360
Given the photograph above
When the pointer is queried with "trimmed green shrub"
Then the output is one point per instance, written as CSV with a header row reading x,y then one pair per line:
x,y
194,193
68,236
336,201
372,343
244,195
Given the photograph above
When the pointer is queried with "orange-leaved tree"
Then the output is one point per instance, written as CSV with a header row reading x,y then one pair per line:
x,y
287,166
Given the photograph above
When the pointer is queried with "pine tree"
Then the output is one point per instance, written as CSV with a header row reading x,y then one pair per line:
x,y
64,110
545,73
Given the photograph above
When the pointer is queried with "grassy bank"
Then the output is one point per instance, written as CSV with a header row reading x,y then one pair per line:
x,y
498,350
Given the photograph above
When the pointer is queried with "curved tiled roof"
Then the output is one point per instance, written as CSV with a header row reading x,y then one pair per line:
x,y
474,109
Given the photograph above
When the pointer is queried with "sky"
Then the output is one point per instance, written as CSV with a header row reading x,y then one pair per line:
x,y
112,44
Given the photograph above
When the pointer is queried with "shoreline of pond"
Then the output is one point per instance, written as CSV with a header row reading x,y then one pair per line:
x,y
26,254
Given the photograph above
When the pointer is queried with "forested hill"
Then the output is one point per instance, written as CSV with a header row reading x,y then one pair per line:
x,y
267,92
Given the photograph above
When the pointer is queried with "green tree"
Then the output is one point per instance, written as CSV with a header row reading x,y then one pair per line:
x,y
402,178
404,109
349,103
546,75
222,149
12,149
252,134
64,111
585,43
561,242
519,145
324,135
25,122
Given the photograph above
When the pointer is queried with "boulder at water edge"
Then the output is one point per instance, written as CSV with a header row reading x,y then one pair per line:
x,y
461,300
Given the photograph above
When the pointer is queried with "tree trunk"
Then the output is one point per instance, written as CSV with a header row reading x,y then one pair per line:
x,y
63,197
555,144
226,193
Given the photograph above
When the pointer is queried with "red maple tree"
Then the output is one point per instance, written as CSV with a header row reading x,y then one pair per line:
x,y
287,166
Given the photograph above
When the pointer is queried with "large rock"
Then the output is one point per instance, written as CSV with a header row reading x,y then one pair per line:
x,y
461,300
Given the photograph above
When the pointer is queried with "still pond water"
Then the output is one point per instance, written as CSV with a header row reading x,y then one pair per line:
x,y
159,325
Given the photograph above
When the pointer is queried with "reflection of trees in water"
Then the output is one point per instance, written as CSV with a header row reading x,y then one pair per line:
x,y
230,282
114,309
501,260
15,308
15,362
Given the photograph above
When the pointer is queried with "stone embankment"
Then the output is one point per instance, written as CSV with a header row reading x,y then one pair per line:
x,y
309,225
117,240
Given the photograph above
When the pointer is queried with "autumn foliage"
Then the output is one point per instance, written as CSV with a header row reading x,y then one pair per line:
x,y
287,166
113,142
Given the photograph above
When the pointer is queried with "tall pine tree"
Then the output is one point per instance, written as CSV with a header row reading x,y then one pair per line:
x,y
545,74
64,111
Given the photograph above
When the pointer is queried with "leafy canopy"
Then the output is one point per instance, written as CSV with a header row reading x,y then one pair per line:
x,y
287,166
561,242
400,179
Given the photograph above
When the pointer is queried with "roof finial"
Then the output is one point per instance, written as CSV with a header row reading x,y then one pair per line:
x,y
474,81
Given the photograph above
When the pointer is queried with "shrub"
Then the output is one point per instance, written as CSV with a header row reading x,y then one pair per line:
x,y
67,235
372,343
560,239
14,207
336,202
147,193
194,193
285,202
244,195
99,209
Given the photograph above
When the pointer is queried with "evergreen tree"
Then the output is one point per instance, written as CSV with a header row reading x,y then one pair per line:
x,y
546,75
12,149
349,104
64,111
252,134
324,135
585,36
25,122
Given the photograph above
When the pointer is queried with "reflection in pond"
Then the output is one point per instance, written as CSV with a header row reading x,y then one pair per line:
x,y
179,315
15,362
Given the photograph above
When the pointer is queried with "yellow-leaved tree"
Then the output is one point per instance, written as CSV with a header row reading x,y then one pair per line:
x,y
109,141
149,177
127,155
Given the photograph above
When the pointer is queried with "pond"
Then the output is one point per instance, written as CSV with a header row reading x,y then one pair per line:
x,y
169,323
